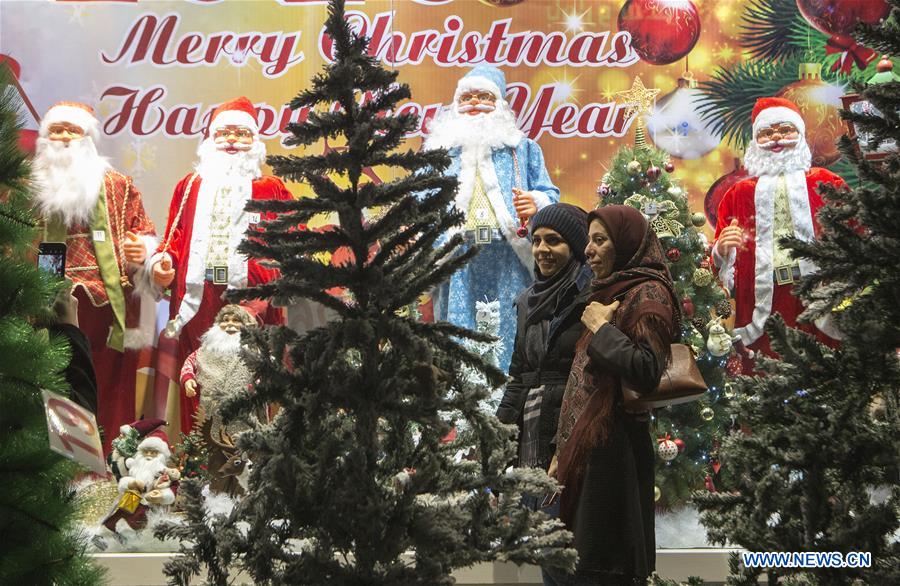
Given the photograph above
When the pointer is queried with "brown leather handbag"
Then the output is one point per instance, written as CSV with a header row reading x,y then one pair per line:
x,y
680,383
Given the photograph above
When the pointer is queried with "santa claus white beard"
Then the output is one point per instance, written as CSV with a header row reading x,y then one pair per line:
x,y
218,341
760,162
147,469
494,129
216,164
68,179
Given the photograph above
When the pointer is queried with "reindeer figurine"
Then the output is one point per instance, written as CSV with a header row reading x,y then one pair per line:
x,y
229,468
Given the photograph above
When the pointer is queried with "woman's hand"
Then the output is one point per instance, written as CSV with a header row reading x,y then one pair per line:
x,y
596,314
551,471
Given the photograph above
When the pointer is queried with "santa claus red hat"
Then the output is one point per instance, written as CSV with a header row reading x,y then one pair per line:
x,y
237,112
769,111
157,440
74,113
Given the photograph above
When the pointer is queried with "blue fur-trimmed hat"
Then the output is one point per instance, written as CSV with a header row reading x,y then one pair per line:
x,y
482,77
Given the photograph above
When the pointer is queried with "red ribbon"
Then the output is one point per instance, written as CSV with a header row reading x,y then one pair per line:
x,y
851,52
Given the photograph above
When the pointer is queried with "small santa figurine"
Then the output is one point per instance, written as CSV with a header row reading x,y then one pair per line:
x,y
99,214
149,483
503,181
780,198
217,370
125,445
207,221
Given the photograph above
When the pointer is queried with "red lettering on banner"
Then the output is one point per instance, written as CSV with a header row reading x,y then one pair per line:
x,y
133,110
452,47
154,38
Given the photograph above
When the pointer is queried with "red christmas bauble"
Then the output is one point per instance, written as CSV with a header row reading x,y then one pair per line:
x,y
653,173
680,443
687,304
662,31
669,167
840,17
719,189
673,254
734,366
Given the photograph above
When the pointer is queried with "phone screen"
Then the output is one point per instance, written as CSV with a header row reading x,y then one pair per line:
x,y
52,258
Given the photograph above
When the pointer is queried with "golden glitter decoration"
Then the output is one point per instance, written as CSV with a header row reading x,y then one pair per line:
x,y
94,501
707,414
639,99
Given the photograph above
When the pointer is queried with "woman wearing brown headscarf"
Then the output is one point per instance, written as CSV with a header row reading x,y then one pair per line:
x,y
605,456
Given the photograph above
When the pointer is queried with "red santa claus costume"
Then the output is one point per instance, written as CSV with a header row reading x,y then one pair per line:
x,y
779,198
207,222
92,208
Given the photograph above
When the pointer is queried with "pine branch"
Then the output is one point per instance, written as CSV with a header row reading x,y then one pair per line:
x,y
767,27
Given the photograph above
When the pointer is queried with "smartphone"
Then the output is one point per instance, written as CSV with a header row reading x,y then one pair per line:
x,y
52,258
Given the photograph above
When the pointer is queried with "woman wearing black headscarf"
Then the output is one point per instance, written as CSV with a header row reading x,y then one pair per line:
x,y
548,327
605,456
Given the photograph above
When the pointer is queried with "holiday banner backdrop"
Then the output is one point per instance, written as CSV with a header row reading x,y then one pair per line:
x,y
154,70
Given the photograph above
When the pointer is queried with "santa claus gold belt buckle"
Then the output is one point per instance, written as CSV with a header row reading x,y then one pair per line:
x,y
784,275
218,275
483,234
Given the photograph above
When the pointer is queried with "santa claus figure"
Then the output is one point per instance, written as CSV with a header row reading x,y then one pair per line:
x,y
780,198
150,483
217,370
99,214
502,182
198,255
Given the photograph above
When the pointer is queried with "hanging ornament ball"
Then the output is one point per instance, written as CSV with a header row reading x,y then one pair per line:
x,y
719,189
819,105
669,167
699,323
667,450
657,494
653,173
662,31
704,264
723,308
707,414
840,17
734,366
633,167
687,305
675,126
698,219
680,443
603,190
702,277
674,191
673,254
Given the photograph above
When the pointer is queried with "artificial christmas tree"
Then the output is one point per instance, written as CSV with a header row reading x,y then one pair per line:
x,y
36,504
342,491
815,468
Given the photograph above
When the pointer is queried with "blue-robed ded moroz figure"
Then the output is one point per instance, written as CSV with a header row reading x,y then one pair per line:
x,y
502,179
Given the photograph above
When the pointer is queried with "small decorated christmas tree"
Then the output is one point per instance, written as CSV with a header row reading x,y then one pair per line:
x,y
342,492
688,436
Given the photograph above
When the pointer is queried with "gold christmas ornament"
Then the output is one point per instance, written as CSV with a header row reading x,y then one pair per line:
x,y
633,168
707,414
819,103
729,391
657,494
698,219
674,191
702,277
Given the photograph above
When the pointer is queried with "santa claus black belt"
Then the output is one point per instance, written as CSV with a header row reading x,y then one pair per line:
x,y
217,275
787,274
483,235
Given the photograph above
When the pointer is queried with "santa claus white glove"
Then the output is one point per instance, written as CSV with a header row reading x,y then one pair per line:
x,y
173,327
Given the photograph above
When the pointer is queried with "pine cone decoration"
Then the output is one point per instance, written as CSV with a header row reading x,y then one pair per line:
x,y
723,308
699,323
